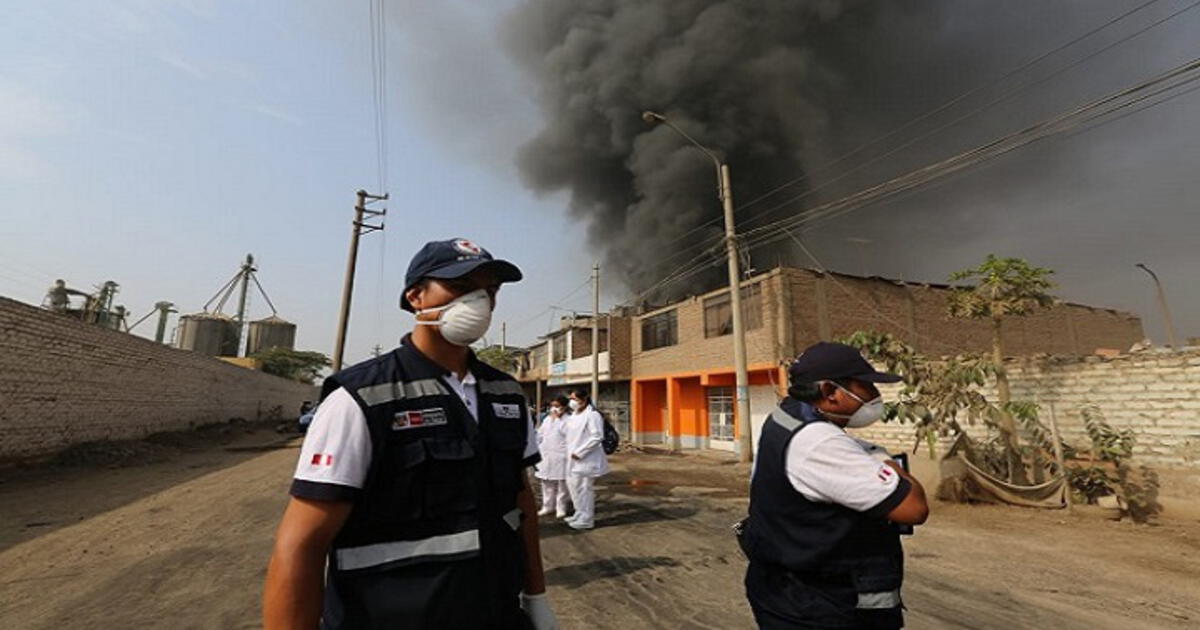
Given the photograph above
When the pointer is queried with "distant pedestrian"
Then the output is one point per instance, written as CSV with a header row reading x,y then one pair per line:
x,y
821,536
585,439
552,470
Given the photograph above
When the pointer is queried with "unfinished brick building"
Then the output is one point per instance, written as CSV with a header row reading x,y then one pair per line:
x,y
682,377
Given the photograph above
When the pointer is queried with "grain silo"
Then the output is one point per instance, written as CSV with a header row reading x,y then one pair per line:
x,y
270,332
214,334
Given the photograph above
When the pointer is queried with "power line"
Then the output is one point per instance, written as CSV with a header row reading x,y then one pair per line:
x,y
884,316
944,106
1181,75
1004,97
1021,68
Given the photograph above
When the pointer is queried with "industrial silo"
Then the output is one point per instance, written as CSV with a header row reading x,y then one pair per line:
x,y
270,332
213,334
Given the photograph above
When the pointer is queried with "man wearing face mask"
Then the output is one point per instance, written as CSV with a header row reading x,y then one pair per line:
x,y
410,504
821,535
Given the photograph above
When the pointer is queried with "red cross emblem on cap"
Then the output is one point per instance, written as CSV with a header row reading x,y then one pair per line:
x,y
467,247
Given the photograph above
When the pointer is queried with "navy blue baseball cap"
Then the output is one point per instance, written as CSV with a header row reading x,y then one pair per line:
x,y
451,259
835,361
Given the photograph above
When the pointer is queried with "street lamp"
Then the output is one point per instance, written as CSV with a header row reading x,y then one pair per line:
x,y
725,194
1162,305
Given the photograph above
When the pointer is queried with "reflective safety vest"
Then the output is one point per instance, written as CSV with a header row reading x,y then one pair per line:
x,y
432,540
820,544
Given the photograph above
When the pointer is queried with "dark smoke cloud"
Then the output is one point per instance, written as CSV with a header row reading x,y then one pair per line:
x,y
773,86
782,88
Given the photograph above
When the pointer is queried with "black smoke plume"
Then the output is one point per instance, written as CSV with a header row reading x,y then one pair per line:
x,y
771,86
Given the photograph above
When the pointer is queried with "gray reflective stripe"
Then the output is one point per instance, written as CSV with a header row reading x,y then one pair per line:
x,y
380,553
513,518
387,392
881,599
785,420
500,387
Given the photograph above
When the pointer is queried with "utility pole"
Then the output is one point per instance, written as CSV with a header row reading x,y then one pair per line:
x,y
742,378
596,332
358,228
503,337
1162,305
247,270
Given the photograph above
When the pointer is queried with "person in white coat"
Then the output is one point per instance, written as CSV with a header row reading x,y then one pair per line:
x,y
552,470
585,437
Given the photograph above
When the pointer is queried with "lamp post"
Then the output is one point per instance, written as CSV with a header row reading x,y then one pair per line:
x,y
1162,305
725,194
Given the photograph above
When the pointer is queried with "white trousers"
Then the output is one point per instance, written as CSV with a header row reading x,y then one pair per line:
x,y
583,495
554,495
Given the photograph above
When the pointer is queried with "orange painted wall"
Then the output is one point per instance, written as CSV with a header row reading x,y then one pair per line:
x,y
690,409
650,398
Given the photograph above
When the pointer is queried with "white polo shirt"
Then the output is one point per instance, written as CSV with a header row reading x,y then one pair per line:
x,y
337,448
827,465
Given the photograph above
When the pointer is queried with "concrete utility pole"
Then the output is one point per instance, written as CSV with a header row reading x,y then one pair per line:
x,y
503,337
742,377
596,333
357,229
1162,305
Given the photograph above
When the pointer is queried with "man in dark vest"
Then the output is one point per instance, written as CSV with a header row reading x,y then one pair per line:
x,y
410,504
821,536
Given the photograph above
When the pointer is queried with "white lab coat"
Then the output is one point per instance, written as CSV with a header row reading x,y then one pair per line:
x,y
552,443
585,435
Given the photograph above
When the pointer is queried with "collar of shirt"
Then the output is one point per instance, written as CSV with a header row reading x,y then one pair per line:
x,y
466,390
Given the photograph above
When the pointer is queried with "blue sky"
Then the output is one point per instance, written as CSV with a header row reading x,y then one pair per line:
x,y
157,143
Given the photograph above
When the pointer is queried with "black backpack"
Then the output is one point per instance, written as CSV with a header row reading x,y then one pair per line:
x,y
612,439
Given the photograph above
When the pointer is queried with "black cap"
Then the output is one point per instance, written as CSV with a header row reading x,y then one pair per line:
x,y
451,259
835,361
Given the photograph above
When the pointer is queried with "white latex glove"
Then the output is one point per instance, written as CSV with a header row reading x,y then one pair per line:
x,y
537,607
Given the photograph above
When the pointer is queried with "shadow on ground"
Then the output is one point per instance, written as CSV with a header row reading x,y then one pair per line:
x,y
617,513
95,477
576,575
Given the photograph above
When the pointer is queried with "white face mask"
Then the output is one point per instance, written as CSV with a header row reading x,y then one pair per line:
x,y
464,319
867,414
575,405
556,411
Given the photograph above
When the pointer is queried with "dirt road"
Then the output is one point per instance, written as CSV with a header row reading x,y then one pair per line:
x,y
183,544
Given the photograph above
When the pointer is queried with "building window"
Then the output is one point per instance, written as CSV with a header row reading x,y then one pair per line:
x,y
718,314
581,344
659,331
560,348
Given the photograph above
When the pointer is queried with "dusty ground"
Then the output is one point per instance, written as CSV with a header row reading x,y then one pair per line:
x,y
183,543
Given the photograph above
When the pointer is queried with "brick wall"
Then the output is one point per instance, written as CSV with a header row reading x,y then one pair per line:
x,y
63,382
696,352
801,307
1156,393
830,306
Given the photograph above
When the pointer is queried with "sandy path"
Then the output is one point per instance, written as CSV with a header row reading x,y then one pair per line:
x,y
189,551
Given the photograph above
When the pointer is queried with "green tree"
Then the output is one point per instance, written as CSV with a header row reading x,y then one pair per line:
x,y
501,358
298,365
1002,288
937,396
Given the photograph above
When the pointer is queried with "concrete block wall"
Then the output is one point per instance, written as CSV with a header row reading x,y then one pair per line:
x,y
1155,393
63,382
